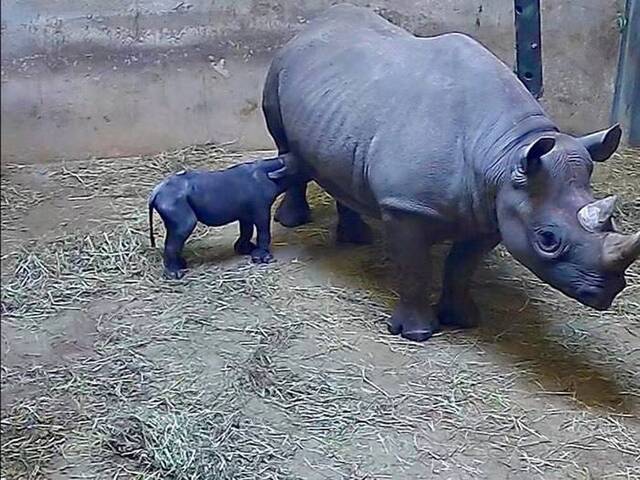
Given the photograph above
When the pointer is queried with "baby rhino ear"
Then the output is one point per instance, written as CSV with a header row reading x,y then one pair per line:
x,y
279,173
287,167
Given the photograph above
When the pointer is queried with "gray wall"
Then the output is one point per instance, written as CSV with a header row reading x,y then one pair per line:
x,y
90,77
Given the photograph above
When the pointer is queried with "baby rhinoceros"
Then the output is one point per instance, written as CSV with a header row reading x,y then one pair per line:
x,y
243,193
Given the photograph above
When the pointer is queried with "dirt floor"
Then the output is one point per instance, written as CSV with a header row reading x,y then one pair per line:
x,y
286,370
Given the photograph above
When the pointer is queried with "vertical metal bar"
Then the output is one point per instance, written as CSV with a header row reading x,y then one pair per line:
x,y
626,100
529,45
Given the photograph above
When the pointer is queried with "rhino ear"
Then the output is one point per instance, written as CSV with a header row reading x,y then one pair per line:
x,y
531,160
601,145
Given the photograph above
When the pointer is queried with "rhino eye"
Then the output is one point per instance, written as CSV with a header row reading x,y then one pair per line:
x,y
548,241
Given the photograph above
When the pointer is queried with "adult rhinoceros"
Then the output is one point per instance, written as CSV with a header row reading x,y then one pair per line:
x,y
439,139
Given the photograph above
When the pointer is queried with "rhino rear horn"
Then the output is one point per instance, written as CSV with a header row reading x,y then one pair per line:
x,y
601,145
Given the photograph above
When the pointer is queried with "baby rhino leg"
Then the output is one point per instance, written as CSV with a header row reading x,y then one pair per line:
x,y
243,245
179,221
262,252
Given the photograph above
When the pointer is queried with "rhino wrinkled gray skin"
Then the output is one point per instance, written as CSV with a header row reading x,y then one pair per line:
x,y
440,140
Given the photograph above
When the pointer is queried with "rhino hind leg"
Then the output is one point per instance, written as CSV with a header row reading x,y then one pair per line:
x,y
413,317
351,228
456,306
294,209
179,220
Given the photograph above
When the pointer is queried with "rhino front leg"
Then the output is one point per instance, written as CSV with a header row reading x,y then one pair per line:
x,y
294,209
456,307
410,245
262,252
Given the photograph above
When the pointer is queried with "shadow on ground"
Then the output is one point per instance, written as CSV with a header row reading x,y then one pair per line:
x,y
528,333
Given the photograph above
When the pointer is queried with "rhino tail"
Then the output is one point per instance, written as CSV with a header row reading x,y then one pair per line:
x,y
151,236
151,204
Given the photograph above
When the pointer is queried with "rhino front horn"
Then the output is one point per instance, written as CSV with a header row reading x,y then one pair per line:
x,y
619,251
595,216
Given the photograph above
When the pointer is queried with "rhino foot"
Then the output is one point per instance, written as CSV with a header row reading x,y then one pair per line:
x,y
293,211
413,323
174,268
290,218
459,313
174,274
261,256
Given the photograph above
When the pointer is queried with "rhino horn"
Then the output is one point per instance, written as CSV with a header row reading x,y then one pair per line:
x,y
594,216
619,251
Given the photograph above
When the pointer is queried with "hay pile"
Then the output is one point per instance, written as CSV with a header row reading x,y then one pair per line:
x,y
243,371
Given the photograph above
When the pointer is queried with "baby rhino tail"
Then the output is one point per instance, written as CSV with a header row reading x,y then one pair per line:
x,y
151,202
152,238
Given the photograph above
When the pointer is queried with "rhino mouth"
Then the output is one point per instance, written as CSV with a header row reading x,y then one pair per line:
x,y
595,301
600,297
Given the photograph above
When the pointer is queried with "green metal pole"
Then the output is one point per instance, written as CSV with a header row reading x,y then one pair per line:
x,y
529,45
626,100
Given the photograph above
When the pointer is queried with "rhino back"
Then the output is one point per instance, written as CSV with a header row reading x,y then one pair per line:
x,y
385,118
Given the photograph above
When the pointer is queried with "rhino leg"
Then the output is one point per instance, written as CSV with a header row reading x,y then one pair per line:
x,y
351,228
294,209
456,307
179,221
243,245
410,245
262,253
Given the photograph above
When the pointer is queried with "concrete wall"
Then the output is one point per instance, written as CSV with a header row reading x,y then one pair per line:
x,y
90,77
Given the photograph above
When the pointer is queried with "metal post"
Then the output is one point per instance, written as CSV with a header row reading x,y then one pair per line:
x,y
626,100
529,45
